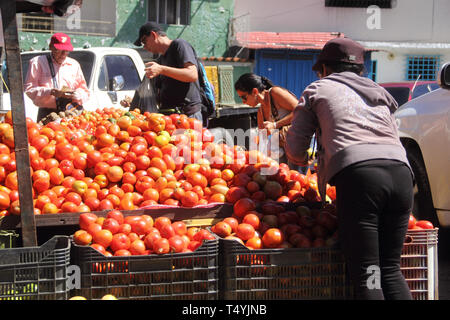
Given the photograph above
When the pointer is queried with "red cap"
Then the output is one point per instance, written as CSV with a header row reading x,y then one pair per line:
x,y
61,41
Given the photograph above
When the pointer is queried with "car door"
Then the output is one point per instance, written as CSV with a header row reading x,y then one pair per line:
x,y
113,66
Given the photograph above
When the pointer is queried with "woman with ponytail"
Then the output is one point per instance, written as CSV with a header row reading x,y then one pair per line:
x,y
276,106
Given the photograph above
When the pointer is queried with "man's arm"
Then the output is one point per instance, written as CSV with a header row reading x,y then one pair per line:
x,y
298,138
188,73
40,95
82,93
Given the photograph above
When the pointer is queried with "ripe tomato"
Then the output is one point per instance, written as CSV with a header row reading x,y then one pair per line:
x,y
111,225
106,204
122,252
114,173
161,246
179,227
233,222
222,229
272,238
245,231
254,243
85,219
137,247
116,215
424,224
151,237
252,219
242,206
103,237
4,200
190,199
412,222
99,248
161,221
82,238
203,234
177,244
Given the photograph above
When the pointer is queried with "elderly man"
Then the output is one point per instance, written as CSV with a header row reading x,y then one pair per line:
x,y
55,82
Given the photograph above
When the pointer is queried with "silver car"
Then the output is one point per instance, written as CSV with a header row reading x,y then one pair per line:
x,y
424,127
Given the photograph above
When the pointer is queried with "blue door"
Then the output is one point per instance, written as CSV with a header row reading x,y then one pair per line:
x,y
287,68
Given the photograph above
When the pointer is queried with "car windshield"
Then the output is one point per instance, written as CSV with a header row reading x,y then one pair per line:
x,y
84,58
400,94
424,88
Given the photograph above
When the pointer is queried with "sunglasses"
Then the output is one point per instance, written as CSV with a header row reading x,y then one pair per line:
x,y
143,39
244,97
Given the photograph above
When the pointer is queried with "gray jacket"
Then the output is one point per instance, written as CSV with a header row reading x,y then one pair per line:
x,y
353,119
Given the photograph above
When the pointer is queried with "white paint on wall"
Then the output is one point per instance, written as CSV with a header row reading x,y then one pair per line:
x,y
419,27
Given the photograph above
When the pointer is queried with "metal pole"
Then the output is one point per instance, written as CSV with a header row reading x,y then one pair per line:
x,y
14,66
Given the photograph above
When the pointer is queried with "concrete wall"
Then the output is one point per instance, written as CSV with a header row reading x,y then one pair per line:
x,y
208,31
410,20
411,27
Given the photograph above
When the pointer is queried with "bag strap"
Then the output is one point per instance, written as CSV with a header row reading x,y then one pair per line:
x,y
273,109
52,71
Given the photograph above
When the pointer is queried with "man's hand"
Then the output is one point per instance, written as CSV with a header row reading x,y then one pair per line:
x,y
62,94
153,69
269,126
126,103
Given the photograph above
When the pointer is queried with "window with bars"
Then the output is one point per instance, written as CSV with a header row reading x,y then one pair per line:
x,y
169,11
38,22
422,67
95,18
385,4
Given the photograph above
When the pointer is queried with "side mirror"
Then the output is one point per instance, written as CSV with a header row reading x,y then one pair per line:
x,y
117,83
444,76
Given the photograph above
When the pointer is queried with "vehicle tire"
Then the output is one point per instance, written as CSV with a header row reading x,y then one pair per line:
x,y
222,135
423,208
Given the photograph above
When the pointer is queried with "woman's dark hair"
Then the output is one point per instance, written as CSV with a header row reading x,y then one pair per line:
x,y
343,66
248,81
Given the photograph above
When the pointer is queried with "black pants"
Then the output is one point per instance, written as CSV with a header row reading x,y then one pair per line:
x,y
374,201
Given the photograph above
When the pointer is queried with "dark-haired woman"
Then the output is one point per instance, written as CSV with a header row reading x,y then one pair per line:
x,y
361,154
276,106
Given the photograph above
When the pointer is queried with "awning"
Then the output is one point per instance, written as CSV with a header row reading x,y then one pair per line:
x,y
286,40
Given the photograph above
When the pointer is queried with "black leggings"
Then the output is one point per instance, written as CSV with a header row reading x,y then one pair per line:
x,y
374,201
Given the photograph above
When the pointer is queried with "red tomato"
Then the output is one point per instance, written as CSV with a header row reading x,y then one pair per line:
x,y
412,221
117,215
424,224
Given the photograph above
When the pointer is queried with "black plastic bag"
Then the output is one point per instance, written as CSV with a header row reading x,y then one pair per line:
x,y
145,97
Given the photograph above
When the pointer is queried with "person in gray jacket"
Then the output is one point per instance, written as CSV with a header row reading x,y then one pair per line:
x,y
359,151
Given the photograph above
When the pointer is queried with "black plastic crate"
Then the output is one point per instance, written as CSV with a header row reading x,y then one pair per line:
x,y
35,273
271,274
8,239
172,276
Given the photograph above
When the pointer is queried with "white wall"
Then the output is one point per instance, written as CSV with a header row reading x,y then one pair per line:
x,y
412,27
412,20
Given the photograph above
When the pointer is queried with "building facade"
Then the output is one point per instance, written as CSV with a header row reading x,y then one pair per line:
x,y
410,36
116,23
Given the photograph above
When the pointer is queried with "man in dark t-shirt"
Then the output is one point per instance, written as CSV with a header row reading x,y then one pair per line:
x,y
176,71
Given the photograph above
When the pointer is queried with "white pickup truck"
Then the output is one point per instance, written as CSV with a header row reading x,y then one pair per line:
x,y
424,124
111,74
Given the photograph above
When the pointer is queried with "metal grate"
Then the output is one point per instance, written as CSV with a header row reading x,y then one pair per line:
x,y
226,84
213,77
422,67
